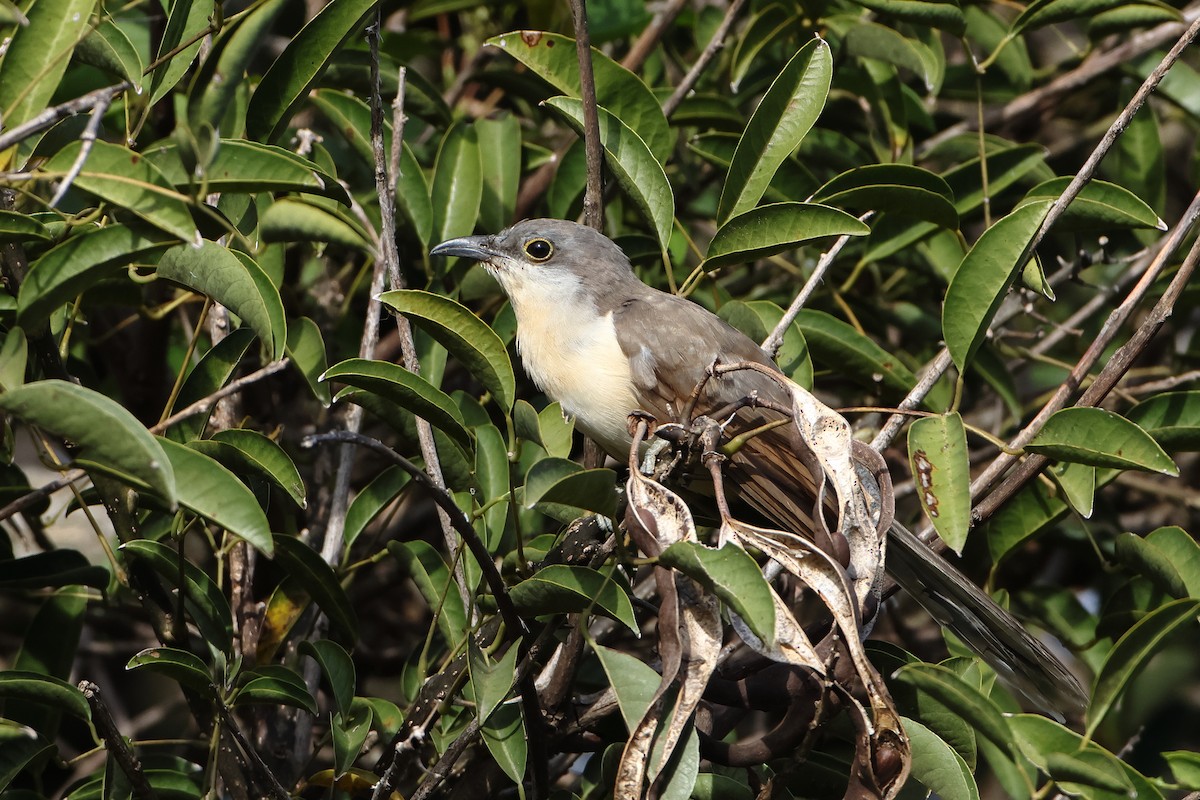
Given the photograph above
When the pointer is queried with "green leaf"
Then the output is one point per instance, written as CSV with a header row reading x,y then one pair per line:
x,y
254,453
1185,766
1127,16
434,581
38,56
731,574
1078,484
899,189
297,221
406,389
20,747
222,74
265,690
841,347
16,227
1050,12
1172,418
241,166
349,732
936,765
52,568
204,601
965,700
756,319
767,230
634,682
186,20
338,669
937,455
633,165
14,357
306,349
506,739
108,48
232,279
372,500
34,687
984,277
107,437
554,58
784,115
1076,773
1143,557
1032,511
561,589
213,371
287,82
871,40
468,338
1102,439
559,482
1100,206
209,490
181,666
126,179
1039,738
80,262
1131,652
1182,552
946,16
500,158
767,26
491,682
457,188
319,580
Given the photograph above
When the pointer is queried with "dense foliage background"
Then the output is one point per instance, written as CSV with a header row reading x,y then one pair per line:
x,y
196,217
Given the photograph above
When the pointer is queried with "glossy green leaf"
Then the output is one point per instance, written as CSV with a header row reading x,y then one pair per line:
x,y
256,454
1127,16
434,581
1078,484
80,262
937,455
946,16
52,568
1100,206
984,277
222,74
372,500
107,437
965,700
1141,556
406,389
756,319
491,681
349,732
319,580
468,338
108,48
1031,512
731,574
554,58
181,666
1172,418
296,221
457,188
1100,438
776,228
15,227
560,482
505,737
561,589
872,40
1183,553
839,346
1078,773
287,82
1185,766
1051,12
20,746
765,27
203,599
338,669
784,115
14,358
33,687
124,178
272,691
632,164
209,490
186,22
1132,651
900,189
306,349
232,279
244,166
1039,738
213,371
936,765
38,56
500,158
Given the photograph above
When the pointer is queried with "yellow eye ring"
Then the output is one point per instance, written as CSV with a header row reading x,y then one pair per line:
x,y
539,249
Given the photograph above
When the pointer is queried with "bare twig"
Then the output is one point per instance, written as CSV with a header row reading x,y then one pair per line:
x,y
933,373
61,111
115,743
773,341
710,51
593,196
88,137
650,37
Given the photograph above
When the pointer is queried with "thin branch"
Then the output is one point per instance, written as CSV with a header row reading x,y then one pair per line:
x,y
88,137
115,743
933,373
593,196
61,111
262,776
650,37
1113,371
709,53
773,342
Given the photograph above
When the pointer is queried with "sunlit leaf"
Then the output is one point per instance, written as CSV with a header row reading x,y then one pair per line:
x,y
937,455
559,589
1100,438
338,669
767,230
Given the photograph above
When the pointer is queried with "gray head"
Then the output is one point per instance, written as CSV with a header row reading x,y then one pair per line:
x,y
545,254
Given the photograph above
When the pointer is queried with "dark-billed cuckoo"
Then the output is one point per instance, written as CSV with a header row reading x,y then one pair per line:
x,y
603,344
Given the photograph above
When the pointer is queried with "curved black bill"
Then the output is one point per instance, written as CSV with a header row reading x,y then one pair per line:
x,y
465,246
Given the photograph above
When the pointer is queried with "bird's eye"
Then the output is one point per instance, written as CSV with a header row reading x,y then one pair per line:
x,y
539,249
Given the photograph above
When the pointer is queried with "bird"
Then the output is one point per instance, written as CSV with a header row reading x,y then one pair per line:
x,y
602,343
